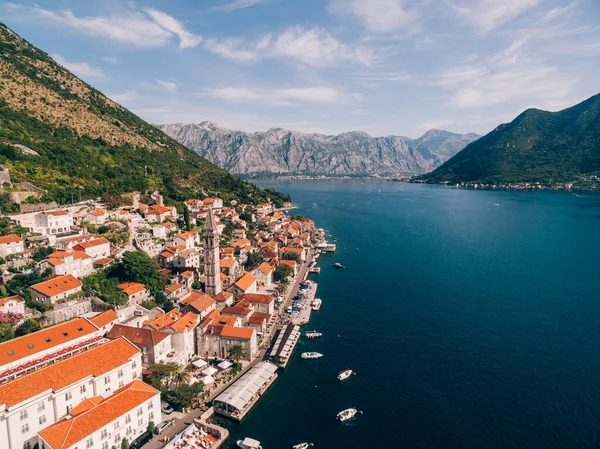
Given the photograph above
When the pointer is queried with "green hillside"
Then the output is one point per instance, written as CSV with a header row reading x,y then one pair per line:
x,y
538,146
87,144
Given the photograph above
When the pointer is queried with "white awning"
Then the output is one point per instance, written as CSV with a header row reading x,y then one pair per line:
x,y
210,371
225,364
199,363
207,380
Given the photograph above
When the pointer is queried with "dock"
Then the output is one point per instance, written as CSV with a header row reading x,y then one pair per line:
x,y
304,315
283,348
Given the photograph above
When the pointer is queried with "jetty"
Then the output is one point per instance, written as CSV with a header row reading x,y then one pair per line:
x,y
326,247
282,349
307,300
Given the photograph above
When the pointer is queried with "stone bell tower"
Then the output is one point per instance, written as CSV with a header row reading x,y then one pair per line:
x,y
212,269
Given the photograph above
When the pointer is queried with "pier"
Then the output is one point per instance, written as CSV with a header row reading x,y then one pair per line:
x,y
284,346
304,315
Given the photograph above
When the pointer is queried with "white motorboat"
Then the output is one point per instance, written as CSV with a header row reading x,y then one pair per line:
x,y
249,443
313,334
311,355
347,414
302,446
345,374
316,304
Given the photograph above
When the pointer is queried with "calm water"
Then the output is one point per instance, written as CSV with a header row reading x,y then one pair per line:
x,y
470,324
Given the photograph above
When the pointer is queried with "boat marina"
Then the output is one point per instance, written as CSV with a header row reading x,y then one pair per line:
x,y
282,349
302,306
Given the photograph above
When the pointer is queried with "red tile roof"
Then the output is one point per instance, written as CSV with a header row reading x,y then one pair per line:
x,y
137,335
93,362
244,333
223,296
44,339
258,298
91,418
245,282
104,318
131,288
57,285
199,301
93,243
11,298
186,323
11,238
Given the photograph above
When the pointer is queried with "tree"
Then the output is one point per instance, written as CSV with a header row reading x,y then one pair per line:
x,y
298,217
124,443
27,327
41,252
151,426
184,396
292,255
253,260
182,376
236,353
6,332
186,218
282,272
161,373
196,285
139,267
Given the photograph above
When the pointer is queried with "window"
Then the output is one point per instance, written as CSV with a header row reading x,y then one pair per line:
x,y
150,405
121,383
42,419
128,430
140,422
105,445
27,445
127,419
41,407
116,425
106,380
117,438
104,433
151,416
140,411
69,407
135,375
82,389
134,364
68,396
23,414
89,442
11,353
25,428
120,373
30,345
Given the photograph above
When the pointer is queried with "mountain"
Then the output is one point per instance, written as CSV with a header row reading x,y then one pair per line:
x,y
283,152
538,146
66,137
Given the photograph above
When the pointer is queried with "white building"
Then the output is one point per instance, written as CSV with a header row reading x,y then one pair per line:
x,y
47,222
12,304
96,249
33,402
102,423
55,289
76,263
11,244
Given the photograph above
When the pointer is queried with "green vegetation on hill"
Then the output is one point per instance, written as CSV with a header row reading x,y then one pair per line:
x,y
87,144
538,146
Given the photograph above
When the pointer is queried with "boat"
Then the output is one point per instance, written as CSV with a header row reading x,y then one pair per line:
x,y
347,414
345,374
302,446
313,334
311,355
338,265
315,270
249,443
316,304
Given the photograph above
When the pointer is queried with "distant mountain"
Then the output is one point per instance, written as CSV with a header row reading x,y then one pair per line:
x,y
538,146
66,137
283,152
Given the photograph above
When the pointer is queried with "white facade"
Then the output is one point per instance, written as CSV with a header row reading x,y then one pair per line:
x,y
11,244
78,265
12,304
96,249
46,223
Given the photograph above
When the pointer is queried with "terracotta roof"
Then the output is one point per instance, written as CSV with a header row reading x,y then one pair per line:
x,y
173,288
152,210
291,263
242,242
164,320
103,261
64,253
137,335
56,212
85,405
187,274
11,298
258,298
187,235
104,318
57,285
236,310
245,282
11,238
93,362
131,288
199,301
223,296
244,333
68,432
187,322
222,276
93,243
265,268
227,263
258,318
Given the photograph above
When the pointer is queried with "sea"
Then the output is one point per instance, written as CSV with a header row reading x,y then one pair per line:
x,y
471,319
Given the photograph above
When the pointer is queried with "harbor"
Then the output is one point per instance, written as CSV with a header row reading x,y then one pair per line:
x,y
303,302
284,345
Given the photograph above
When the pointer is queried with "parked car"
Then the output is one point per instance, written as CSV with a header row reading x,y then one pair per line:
x,y
141,440
162,426
166,408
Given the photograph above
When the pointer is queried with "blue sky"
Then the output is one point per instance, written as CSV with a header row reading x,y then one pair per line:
x,y
382,66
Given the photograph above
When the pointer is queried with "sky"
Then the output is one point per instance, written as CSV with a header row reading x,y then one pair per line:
x,y
381,66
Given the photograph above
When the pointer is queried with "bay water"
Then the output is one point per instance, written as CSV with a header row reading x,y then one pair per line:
x,y
472,320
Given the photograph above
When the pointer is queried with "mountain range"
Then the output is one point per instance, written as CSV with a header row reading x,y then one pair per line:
x,y
278,151
537,146
63,136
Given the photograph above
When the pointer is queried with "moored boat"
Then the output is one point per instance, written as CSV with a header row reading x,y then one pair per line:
x,y
302,446
311,355
347,414
249,443
345,374
316,304
338,265
313,334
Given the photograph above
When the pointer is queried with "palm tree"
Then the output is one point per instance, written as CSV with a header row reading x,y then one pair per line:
x,y
236,353
183,376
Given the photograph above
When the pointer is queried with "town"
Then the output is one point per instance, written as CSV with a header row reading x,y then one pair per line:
x,y
121,324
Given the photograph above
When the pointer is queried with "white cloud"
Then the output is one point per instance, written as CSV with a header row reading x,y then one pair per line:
x,y
283,96
124,97
186,39
237,4
379,16
489,14
167,85
147,29
111,59
81,69
314,46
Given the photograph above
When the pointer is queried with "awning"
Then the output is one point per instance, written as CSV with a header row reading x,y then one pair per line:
x,y
210,371
199,363
207,380
225,364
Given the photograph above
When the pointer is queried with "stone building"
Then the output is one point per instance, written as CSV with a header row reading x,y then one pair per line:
x,y
212,270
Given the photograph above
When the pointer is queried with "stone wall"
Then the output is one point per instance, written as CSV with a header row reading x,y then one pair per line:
x,y
66,311
4,176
